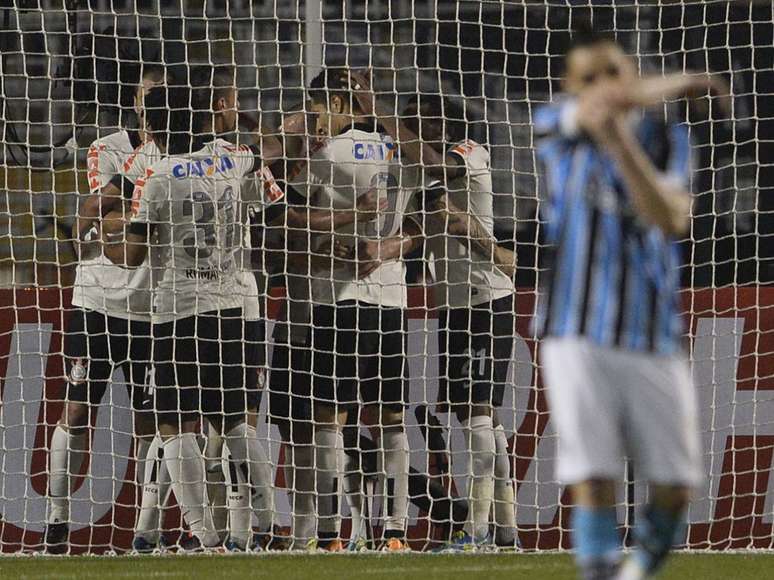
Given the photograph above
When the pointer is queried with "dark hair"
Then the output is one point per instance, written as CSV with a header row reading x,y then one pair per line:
x,y
332,81
171,117
107,70
584,34
210,84
450,113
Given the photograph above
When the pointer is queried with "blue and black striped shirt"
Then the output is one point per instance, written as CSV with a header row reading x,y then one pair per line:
x,y
611,277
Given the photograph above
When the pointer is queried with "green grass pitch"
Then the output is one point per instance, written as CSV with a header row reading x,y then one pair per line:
x,y
351,567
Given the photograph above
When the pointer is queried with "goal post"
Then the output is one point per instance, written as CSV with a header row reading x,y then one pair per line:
x,y
496,61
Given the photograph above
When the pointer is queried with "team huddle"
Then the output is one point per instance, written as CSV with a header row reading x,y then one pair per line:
x,y
183,219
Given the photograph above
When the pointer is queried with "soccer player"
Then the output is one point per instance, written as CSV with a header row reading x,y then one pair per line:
x,y
474,291
109,325
190,209
358,321
290,406
616,198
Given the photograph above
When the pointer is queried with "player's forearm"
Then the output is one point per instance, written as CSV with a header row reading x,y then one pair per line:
x,y
96,204
323,221
468,228
657,202
654,90
129,252
412,148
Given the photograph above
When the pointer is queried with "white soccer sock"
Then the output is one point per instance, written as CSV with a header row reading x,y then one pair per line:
x,y
245,448
186,468
328,443
394,444
216,481
67,454
155,493
240,511
504,493
481,446
354,493
301,483
141,447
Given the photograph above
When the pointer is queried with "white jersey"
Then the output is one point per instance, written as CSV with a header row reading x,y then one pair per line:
x,y
464,277
345,167
100,284
197,206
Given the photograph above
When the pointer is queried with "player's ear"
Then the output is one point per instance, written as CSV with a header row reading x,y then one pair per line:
x,y
337,104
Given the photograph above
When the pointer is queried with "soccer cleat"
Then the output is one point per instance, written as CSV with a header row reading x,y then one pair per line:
x,y
357,545
462,542
333,546
233,546
57,538
271,542
394,545
508,545
189,543
142,546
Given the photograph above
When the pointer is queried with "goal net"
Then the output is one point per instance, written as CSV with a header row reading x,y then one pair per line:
x,y
68,75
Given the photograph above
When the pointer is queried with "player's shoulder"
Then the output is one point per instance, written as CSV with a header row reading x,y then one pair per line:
x,y
362,141
116,143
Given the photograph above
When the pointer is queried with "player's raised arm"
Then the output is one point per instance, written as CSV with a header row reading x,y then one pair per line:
x,y
658,200
415,149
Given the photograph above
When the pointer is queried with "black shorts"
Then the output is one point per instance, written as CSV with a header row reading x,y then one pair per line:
x,y
199,367
255,361
290,382
359,348
94,344
475,346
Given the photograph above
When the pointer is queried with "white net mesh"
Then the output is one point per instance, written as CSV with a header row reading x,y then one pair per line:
x,y
496,61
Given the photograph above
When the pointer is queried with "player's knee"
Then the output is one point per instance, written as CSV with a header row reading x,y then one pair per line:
x,y
391,415
144,424
594,493
670,498
328,415
76,417
469,410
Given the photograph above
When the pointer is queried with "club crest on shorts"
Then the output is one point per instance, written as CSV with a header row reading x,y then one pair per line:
x,y
78,371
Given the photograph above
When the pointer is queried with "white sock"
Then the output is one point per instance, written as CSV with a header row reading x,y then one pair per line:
x,y
481,446
154,493
213,449
245,448
354,493
240,513
301,483
328,443
186,468
504,493
66,459
141,447
216,481
394,444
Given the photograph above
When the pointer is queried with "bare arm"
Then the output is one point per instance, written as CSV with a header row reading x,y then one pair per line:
x,y
131,251
654,90
468,228
368,255
323,220
435,164
601,114
657,201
